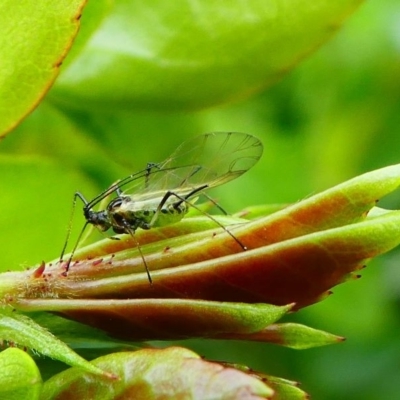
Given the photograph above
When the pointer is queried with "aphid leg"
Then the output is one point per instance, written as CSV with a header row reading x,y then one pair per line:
x,y
149,167
185,199
86,203
215,203
76,195
176,205
74,249
132,233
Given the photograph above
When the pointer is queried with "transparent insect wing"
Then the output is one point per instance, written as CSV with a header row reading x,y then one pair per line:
x,y
211,159
155,183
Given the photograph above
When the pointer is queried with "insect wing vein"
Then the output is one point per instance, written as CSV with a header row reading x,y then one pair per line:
x,y
213,159
207,160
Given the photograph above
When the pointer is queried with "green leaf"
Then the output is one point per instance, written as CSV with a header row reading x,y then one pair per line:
x,y
25,332
291,335
179,55
157,374
80,336
286,390
162,318
19,376
35,36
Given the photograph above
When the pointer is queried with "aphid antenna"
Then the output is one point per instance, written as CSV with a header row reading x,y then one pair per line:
x,y
151,169
69,229
186,200
116,187
132,233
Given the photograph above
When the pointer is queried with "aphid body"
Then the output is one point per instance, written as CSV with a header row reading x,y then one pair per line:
x,y
161,193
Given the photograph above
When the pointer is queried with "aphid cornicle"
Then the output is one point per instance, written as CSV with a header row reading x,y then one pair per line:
x,y
160,194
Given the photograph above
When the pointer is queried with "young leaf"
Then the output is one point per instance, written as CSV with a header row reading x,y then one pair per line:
x,y
24,331
171,373
291,335
162,318
294,256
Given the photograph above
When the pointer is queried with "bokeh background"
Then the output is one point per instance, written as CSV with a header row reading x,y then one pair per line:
x,y
336,115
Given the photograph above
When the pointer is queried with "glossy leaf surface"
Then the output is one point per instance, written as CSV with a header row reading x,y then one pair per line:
x,y
35,37
182,55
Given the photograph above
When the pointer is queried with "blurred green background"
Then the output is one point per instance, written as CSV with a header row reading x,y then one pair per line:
x,y
333,117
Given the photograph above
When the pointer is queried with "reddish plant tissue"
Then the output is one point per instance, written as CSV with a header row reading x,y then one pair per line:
x,y
295,255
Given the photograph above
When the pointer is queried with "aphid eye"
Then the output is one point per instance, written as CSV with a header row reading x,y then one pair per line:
x,y
117,202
